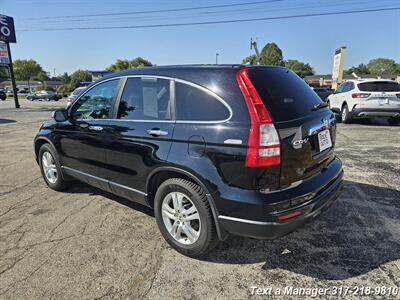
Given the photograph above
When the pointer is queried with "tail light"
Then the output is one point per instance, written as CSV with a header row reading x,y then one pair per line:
x,y
360,95
263,148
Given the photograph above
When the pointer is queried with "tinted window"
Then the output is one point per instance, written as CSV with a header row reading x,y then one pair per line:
x,y
349,86
193,104
340,88
285,94
96,103
145,99
379,86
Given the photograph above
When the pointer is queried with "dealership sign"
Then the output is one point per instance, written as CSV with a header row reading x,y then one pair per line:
x,y
7,30
4,58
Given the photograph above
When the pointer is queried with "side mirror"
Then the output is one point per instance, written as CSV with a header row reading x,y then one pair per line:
x,y
60,115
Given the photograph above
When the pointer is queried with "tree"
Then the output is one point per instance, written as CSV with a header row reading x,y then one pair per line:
x,y
140,62
3,73
361,69
65,78
381,66
79,76
251,59
123,64
27,69
119,65
271,54
299,67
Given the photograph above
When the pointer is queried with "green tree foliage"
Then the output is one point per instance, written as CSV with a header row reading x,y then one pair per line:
x,y
300,68
361,69
123,64
381,66
65,78
3,73
251,59
272,55
27,69
44,87
79,76
64,89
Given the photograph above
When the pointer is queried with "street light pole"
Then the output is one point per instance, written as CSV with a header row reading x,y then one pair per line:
x,y
216,58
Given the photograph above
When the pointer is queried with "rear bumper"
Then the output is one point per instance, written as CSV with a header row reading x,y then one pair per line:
x,y
375,113
271,227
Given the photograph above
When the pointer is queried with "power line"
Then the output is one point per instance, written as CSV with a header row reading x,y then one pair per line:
x,y
211,13
157,11
217,22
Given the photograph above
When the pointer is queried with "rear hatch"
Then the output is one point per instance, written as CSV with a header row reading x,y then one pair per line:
x,y
307,128
379,94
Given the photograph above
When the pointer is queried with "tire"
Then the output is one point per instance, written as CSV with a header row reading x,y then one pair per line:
x,y
59,183
192,198
345,115
393,121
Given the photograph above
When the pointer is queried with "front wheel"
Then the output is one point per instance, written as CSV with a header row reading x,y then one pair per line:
x,y
51,169
184,217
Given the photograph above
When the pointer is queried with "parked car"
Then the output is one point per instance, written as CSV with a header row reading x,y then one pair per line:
x,y
44,95
214,150
323,92
75,94
369,98
3,95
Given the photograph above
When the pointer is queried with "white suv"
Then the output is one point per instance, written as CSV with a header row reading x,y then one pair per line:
x,y
370,98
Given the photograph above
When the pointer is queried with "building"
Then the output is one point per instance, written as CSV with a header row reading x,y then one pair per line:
x,y
326,80
22,85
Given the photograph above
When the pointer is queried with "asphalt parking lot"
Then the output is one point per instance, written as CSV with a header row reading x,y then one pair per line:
x,y
88,244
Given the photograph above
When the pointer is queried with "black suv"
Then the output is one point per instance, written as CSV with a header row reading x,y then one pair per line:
x,y
214,150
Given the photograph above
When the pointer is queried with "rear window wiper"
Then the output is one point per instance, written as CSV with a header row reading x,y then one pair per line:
x,y
320,105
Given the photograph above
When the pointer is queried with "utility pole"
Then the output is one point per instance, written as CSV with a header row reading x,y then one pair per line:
x,y
216,58
253,44
11,69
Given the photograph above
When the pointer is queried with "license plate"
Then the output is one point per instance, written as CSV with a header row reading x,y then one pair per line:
x,y
383,101
324,140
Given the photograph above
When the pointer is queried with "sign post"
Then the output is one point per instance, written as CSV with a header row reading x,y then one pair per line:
x,y
338,65
7,35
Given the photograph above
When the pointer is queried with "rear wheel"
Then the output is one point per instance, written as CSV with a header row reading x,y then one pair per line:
x,y
50,168
184,217
394,121
345,115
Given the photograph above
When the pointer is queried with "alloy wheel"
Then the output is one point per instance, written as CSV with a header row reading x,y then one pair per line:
x,y
181,218
49,167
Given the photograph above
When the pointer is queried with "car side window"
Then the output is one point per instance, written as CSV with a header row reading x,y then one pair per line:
x,y
340,88
194,104
145,99
96,103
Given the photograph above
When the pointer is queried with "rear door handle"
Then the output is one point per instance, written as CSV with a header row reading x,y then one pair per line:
x,y
96,128
157,132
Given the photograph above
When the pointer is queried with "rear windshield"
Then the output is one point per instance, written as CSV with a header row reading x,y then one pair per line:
x,y
379,86
284,93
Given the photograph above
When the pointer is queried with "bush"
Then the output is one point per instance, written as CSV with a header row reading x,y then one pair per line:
x,y
64,90
44,87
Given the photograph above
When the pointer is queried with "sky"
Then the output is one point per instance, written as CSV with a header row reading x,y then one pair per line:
x,y
308,39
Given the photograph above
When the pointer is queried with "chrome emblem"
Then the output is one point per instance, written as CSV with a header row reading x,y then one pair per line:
x,y
326,123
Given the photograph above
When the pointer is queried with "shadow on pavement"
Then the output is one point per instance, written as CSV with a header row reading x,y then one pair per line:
x,y
83,188
7,121
358,233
